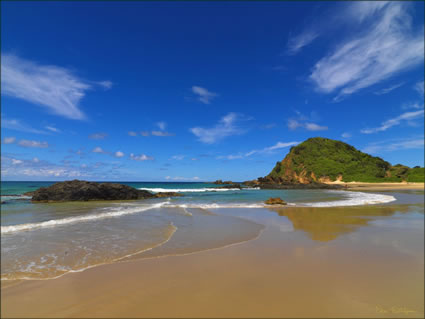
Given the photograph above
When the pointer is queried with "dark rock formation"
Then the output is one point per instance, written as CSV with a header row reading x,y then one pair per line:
x,y
168,194
253,183
231,186
77,190
275,201
220,182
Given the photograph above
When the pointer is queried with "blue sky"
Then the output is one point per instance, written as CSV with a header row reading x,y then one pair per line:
x,y
194,91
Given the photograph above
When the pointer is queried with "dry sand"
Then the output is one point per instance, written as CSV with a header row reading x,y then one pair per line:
x,y
379,186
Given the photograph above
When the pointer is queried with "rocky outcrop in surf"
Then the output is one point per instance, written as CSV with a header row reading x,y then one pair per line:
x,y
220,182
275,201
77,190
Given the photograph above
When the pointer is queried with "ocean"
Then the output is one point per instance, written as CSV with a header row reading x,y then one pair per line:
x,y
44,241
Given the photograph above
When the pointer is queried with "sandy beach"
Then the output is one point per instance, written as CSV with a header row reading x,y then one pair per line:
x,y
379,186
365,261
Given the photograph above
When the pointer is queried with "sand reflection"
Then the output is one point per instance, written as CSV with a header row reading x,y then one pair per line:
x,y
326,224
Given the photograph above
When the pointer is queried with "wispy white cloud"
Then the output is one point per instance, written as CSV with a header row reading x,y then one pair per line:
x,y
161,133
119,154
35,168
314,127
162,125
16,161
9,140
419,87
98,150
413,105
389,89
296,43
52,129
227,126
17,125
385,45
270,149
98,136
394,121
364,10
29,143
306,122
394,145
178,157
346,135
277,146
53,87
141,157
105,84
203,95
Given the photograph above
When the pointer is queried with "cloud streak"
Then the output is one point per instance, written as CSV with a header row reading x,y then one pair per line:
x,y
270,149
29,143
419,87
227,126
394,121
296,43
9,140
17,125
305,122
394,145
385,46
389,89
55,88
203,95
141,157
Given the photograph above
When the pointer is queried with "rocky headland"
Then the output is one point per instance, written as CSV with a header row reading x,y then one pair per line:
x,y
321,163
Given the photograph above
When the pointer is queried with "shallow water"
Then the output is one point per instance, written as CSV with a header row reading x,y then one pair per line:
x,y
45,241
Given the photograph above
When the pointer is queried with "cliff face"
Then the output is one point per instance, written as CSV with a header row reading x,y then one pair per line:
x,y
319,160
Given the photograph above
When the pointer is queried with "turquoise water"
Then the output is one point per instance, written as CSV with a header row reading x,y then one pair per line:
x,y
42,241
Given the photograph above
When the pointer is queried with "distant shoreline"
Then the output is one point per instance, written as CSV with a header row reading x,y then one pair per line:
x,y
379,186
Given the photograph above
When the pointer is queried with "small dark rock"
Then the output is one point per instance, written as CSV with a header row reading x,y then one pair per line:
x,y
275,201
168,194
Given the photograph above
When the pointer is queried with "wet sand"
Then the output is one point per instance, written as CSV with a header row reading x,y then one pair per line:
x,y
307,262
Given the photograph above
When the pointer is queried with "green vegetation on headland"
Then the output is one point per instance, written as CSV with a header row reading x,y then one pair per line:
x,y
319,160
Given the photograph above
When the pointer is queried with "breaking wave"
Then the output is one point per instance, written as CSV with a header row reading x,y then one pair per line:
x,y
112,212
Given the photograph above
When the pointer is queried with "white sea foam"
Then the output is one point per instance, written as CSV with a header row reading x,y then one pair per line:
x,y
349,199
353,199
193,190
216,205
113,212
